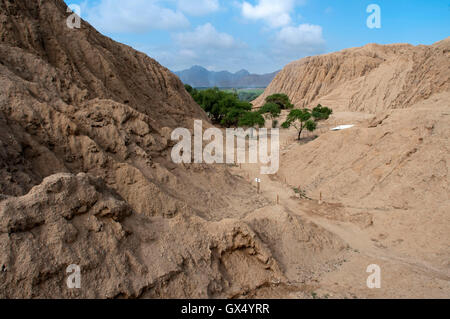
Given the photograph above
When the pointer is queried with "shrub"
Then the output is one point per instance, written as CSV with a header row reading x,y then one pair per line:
x,y
320,113
282,100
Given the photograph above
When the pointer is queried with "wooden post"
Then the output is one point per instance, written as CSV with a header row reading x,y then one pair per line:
x,y
258,184
320,200
278,199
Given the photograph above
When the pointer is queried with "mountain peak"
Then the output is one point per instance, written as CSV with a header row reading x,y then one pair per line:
x,y
198,76
243,72
198,68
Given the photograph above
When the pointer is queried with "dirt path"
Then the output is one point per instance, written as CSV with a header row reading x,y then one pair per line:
x,y
404,277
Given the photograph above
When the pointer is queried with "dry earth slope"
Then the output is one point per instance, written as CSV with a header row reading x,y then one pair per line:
x,y
86,179
390,174
369,79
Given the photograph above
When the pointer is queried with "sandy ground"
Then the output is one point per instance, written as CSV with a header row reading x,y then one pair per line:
x,y
404,273
86,176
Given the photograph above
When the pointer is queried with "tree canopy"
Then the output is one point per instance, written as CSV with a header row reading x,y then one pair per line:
x,y
270,110
282,100
307,119
226,109
252,119
223,108
320,113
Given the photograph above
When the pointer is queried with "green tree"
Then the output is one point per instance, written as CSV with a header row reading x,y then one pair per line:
x,y
300,119
234,114
251,119
189,88
271,111
281,99
225,108
306,118
232,117
222,107
213,102
320,113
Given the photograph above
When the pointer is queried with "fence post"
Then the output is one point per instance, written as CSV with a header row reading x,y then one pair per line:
x,y
258,184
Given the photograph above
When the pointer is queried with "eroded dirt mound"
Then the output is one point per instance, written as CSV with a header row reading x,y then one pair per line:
x,y
382,185
78,220
86,177
390,173
398,159
370,79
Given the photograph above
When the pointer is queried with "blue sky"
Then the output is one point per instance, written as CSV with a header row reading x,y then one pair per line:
x,y
260,35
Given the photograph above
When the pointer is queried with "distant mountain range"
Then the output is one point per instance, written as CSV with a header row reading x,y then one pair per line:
x,y
198,76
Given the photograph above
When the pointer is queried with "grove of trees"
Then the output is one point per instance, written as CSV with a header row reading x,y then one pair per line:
x,y
226,109
222,107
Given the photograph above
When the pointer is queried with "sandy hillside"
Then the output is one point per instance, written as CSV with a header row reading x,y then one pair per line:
x,y
385,192
385,182
370,79
86,178
392,171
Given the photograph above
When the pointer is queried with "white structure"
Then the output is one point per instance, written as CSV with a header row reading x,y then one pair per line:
x,y
342,127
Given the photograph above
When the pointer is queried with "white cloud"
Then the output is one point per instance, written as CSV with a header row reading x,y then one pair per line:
x,y
231,60
274,13
205,46
294,42
303,35
206,37
188,54
220,51
139,16
198,7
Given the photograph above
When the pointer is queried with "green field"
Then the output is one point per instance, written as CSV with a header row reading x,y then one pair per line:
x,y
246,95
